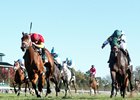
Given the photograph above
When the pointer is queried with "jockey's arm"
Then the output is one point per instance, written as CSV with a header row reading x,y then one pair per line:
x,y
41,45
105,43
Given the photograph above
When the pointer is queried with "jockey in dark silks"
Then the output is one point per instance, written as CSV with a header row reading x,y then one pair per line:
x,y
69,63
116,39
57,60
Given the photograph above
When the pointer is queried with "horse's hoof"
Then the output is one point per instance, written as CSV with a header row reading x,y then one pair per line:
x,y
18,94
46,95
49,91
39,96
110,96
58,90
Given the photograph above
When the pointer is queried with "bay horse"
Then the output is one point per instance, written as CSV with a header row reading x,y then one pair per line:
x,y
20,78
35,66
68,77
119,71
93,84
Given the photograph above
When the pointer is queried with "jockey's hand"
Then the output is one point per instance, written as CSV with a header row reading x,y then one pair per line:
x,y
103,46
34,44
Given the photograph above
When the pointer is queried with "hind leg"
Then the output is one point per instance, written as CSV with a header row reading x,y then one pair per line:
x,y
74,85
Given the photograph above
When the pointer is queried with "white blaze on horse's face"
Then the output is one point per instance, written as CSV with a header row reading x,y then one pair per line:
x,y
16,65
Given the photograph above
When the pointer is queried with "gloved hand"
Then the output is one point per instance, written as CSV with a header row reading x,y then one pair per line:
x,y
103,46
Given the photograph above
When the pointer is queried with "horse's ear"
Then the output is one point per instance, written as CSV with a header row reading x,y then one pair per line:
x,y
14,61
23,33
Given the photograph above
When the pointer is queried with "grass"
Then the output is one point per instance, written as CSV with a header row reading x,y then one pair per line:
x,y
101,96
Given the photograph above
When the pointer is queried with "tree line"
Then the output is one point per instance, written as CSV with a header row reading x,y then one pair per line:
x,y
82,78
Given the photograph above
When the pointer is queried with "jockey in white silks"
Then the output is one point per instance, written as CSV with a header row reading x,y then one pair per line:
x,y
123,45
123,42
21,63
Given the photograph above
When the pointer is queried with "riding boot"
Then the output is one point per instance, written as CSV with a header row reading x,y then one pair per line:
x,y
26,74
43,55
128,58
111,54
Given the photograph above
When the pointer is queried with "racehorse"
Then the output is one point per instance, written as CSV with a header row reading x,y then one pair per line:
x,y
35,66
94,84
68,77
119,72
20,78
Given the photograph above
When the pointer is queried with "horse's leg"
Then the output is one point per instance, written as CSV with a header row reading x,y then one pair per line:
x,y
69,88
130,79
74,85
124,80
41,82
26,87
113,77
14,85
19,88
90,90
57,85
48,86
28,84
66,86
34,84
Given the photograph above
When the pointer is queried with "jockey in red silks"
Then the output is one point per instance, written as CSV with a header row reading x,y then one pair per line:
x,y
92,71
38,41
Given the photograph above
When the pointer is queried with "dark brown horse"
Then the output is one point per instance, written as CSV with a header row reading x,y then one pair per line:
x,y
119,72
94,84
20,78
35,66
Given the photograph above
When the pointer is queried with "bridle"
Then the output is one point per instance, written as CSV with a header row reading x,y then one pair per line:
x,y
26,43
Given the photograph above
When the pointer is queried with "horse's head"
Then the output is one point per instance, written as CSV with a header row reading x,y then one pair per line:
x,y
64,66
16,65
25,41
115,50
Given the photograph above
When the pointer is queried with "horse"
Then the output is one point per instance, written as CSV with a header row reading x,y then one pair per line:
x,y
119,71
68,77
35,66
33,63
20,78
93,84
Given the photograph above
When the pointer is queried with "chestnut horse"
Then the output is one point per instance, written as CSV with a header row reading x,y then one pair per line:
x,y
119,72
93,84
20,78
35,66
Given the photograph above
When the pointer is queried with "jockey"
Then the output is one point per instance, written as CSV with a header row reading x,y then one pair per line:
x,y
38,41
92,71
70,66
117,39
69,62
123,46
56,57
21,63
